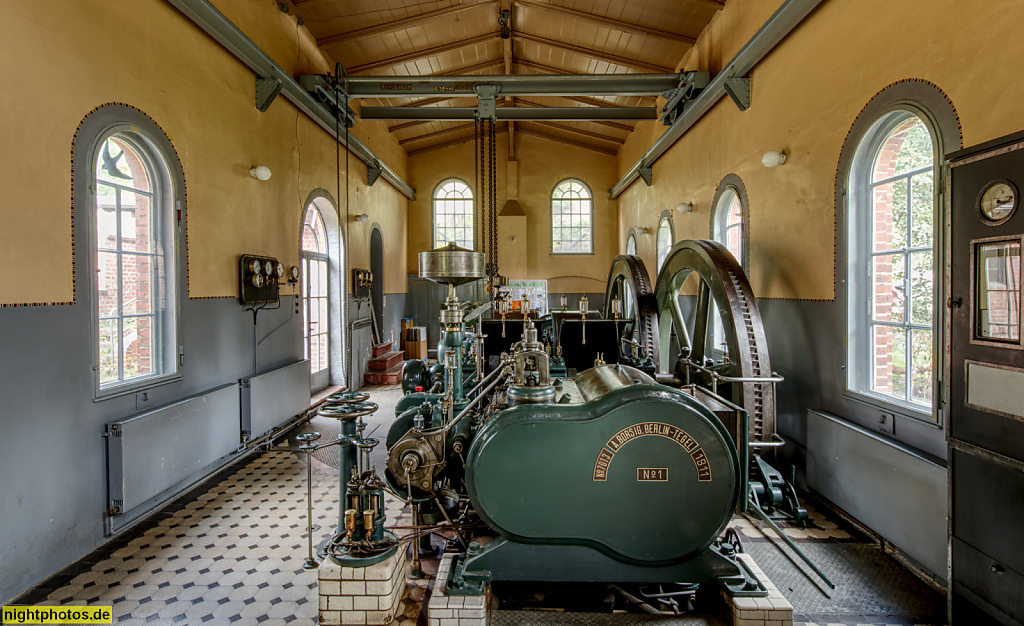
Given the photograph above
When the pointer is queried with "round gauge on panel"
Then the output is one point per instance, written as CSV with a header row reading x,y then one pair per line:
x,y
279,269
255,266
257,280
295,272
998,201
268,268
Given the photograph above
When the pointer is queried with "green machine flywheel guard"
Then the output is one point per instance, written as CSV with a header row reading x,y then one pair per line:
x,y
645,474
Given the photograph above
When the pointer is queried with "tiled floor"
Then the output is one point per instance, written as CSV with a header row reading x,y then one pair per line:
x,y
232,553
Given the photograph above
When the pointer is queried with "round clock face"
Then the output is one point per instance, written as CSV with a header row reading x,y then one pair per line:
x,y
998,202
279,270
257,280
255,266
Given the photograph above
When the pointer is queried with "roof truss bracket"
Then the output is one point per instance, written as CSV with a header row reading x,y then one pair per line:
x,y
373,172
486,97
690,86
647,174
739,90
266,90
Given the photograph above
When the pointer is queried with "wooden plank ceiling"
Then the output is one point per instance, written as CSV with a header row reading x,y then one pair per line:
x,y
461,37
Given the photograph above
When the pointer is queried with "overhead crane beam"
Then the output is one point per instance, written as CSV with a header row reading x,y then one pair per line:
x,y
531,112
515,85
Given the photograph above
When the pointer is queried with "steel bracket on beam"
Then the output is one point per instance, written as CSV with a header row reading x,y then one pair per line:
x,y
691,84
739,90
322,88
486,97
647,173
373,172
266,90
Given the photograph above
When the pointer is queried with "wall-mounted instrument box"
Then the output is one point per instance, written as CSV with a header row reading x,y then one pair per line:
x,y
259,279
362,280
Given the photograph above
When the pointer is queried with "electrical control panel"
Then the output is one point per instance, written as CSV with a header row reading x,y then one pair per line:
x,y
362,280
260,278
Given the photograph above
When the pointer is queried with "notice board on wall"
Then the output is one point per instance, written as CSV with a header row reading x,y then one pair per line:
x,y
535,290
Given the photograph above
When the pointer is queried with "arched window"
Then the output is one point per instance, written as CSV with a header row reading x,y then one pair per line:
x,y
315,297
728,227
572,213
631,243
728,220
453,214
666,238
135,266
892,268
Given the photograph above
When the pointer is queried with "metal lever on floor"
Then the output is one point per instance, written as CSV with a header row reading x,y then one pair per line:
x,y
307,445
761,515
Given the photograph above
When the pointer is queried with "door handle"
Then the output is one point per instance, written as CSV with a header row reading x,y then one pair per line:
x,y
954,302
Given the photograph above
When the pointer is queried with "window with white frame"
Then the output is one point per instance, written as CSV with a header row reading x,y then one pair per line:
x,y
135,276
666,239
453,214
572,214
892,263
728,225
728,228
315,296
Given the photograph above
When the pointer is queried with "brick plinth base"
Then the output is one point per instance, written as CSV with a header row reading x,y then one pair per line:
x,y
775,610
444,610
362,595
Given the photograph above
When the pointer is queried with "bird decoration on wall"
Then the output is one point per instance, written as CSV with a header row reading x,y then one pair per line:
x,y
110,163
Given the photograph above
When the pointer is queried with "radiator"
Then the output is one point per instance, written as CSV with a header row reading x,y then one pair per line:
x,y
272,398
893,489
152,452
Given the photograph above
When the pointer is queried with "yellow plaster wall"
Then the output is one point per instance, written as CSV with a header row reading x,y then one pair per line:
x,y
542,164
806,96
64,58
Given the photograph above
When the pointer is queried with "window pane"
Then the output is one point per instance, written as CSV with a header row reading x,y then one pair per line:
x,y
322,304
135,284
453,214
907,148
106,284
997,302
137,346
888,298
921,366
922,278
110,351
322,280
314,352
890,216
118,163
889,360
106,217
322,365
922,209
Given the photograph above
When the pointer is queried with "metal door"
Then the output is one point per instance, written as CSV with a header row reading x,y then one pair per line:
x,y
986,417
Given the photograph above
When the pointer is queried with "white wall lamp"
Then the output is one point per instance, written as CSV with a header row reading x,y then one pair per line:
x,y
684,207
643,230
362,218
773,158
260,172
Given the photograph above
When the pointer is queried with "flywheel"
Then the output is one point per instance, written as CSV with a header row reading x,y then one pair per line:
x,y
723,283
628,280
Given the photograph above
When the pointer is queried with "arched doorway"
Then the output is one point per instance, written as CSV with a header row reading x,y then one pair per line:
x,y
377,290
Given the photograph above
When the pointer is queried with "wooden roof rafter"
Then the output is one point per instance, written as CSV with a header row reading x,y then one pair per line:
x,y
404,23
619,25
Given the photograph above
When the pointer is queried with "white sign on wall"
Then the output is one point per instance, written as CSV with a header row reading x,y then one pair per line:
x,y
535,290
